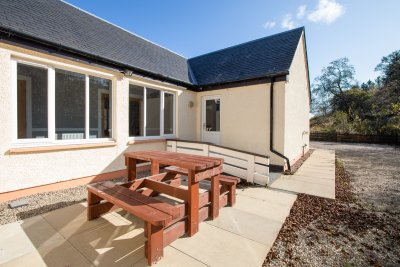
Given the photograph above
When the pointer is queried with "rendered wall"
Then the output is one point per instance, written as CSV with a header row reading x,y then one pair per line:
x,y
245,118
297,110
18,171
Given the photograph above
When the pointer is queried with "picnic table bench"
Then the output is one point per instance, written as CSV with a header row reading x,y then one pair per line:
x,y
165,222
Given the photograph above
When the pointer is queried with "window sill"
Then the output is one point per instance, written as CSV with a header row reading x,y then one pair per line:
x,y
43,149
144,141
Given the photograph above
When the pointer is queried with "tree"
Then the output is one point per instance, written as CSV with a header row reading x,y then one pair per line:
x,y
335,79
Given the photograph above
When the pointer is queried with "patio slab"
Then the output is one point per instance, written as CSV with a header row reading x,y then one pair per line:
x,y
240,236
315,177
216,247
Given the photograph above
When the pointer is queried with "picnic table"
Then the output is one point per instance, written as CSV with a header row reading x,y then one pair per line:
x,y
164,222
198,168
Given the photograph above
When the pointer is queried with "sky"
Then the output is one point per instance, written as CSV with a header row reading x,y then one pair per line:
x,y
362,30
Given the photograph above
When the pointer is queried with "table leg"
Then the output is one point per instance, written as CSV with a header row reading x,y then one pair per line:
x,y
155,167
214,211
193,204
131,169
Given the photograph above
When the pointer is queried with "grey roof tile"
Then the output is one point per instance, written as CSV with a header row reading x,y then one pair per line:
x,y
258,58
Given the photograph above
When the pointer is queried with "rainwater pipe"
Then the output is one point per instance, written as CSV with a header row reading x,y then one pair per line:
x,y
271,126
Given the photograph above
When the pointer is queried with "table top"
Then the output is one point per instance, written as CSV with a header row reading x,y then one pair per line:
x,y
187,161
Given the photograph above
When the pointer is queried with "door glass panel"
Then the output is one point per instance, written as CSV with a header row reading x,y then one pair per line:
x,y
32,102
70,105
212,115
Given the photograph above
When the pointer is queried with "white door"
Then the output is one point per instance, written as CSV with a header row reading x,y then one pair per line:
x,y
211,106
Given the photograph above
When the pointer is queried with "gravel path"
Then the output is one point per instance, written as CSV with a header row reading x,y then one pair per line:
x,y
374,172
360,228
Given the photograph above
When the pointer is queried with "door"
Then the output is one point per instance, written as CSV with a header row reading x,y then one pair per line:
x,y
211,106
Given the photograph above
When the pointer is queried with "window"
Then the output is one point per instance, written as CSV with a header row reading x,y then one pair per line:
x,y
32,105
168,113
70,105
100,106
57,104
151,112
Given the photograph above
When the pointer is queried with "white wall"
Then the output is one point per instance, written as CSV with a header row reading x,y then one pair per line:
x,y
245,118
297,101
18,171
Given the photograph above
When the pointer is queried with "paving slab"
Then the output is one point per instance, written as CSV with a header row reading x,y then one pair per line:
x,y
14,242
248,225
173,257
262,208
119,244
72,220
216,247
315,177
34,242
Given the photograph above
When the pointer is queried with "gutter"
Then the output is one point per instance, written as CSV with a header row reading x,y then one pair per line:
x,y
271,126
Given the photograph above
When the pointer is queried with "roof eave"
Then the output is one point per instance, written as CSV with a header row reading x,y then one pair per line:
x,y
236,83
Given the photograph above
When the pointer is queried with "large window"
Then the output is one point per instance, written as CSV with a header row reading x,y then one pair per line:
x,y
57,104
70,105
151,112
32,108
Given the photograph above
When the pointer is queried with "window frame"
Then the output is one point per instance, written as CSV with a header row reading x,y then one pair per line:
x,y
163,91
51,140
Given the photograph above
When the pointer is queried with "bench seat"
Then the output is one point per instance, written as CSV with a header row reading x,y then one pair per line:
x,y
227,181
155,213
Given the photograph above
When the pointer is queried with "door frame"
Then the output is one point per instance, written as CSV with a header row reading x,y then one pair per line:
x,y
203,116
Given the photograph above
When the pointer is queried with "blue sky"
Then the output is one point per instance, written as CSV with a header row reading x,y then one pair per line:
x,y
362,30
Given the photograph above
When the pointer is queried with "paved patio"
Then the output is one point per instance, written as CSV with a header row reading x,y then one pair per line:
x,y
315,177
240,236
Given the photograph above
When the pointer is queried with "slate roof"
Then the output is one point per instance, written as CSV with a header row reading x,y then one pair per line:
x,y
62,25
254,59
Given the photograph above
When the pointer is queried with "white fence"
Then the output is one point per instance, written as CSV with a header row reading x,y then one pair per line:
x,y
247,166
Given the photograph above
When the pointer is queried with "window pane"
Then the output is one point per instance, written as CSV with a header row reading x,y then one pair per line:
x,y
168,113
99,107
136,110
32,102
153,98
70,105
212,115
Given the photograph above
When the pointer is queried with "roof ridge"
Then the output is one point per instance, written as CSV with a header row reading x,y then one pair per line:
x,y
119,27
248,42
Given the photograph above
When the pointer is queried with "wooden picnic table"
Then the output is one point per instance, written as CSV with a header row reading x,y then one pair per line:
x,y
198,168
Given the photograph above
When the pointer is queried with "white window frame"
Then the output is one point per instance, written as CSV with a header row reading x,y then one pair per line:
x,y
51,139
163,91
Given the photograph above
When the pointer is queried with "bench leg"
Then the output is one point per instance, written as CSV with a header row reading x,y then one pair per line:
x,y
193,205
214,211
154,245
232,195
92,210
131,169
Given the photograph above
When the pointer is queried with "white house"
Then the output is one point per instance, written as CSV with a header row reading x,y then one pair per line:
x,y
76,92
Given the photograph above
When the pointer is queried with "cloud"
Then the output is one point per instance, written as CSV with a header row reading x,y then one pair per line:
x,y
327,11
287,22
301,11
269,24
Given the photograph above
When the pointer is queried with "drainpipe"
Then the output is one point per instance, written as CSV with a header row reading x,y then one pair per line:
x,y
271,126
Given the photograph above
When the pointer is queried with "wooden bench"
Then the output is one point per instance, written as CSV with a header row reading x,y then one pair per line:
x,y
155,213
227,182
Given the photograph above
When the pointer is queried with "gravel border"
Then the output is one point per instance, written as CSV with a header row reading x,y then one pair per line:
x,y
45,202
340,232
